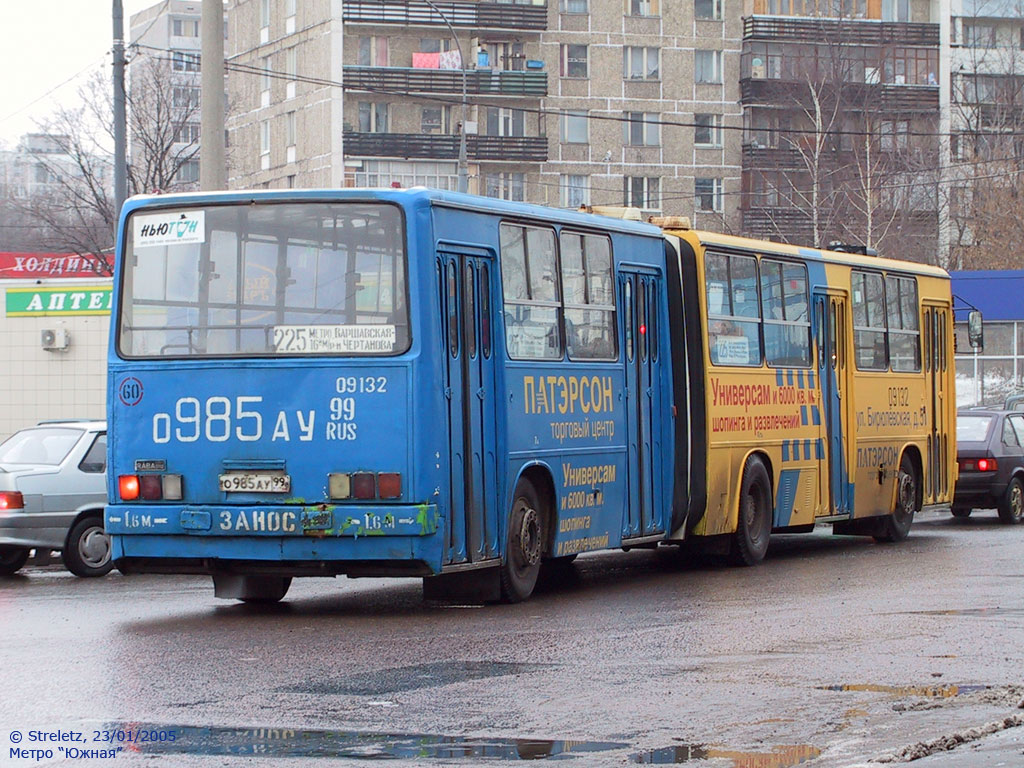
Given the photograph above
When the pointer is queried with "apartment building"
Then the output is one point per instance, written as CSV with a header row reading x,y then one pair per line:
x,y
164,85
584,101
842,108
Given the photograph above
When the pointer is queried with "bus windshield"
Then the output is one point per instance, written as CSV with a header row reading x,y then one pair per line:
x,y
264,280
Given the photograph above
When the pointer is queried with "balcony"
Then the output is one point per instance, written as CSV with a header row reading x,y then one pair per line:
x,y
522,149
883,97
764,158
405,81
468,14
840,31
790,225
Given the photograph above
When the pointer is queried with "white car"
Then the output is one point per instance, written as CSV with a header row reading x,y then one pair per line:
x,y
52,494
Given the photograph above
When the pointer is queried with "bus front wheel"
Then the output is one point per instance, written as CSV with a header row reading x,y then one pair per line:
x,y
754,527
896,527
524,544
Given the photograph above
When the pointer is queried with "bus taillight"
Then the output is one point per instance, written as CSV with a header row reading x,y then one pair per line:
x,y
128,487
364,485
389,485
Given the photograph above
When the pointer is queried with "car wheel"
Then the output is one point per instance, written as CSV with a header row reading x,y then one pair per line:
x,y
521,568
1011,506
12,559
961,512
896,527
754,527
87,550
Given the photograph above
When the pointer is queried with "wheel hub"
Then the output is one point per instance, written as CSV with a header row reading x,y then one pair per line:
x,y
529,536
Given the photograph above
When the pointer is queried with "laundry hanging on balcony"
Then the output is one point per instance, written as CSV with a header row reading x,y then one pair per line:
x,y
426,60
450,60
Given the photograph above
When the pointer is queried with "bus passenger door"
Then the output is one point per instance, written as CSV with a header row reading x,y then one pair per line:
x,y
471,527
936,483
832,364
639,300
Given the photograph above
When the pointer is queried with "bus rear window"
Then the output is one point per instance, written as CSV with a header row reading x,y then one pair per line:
x,y
264,280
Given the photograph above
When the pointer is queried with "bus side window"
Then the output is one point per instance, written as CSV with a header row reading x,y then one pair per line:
x,y
589,313
530,290
627,309
869,328
453,310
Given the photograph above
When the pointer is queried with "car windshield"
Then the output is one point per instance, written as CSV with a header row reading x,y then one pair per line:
x,y
972,429
49,445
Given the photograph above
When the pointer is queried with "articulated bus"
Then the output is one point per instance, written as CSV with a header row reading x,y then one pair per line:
x,y
421,383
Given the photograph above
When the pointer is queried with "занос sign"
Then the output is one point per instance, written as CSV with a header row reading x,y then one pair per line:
x,y
72,300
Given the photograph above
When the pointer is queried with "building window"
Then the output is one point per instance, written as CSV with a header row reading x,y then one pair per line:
x,y
641,129
708,66
188,172
264,137
572,6
373,117
641,63
707,130
435,120
979,35
187,133
264,14
184,62
708,9
265,74
184,28
574,60
289,8
505,186
642,7
642,192
894,135
407,173
708,193
289,129
574,128
574,190
185,97
895,10
373,52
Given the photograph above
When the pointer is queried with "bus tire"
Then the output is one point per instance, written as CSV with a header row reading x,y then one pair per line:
x,y
1011,506
524,544
754,523
896,526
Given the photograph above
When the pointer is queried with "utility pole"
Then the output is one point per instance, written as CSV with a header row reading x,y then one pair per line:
x,y
120,118
212,171
463,178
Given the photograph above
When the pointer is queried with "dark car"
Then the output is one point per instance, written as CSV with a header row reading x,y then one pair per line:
x,y
990,454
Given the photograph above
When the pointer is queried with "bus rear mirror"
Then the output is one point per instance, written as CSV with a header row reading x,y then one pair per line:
x,y
975,329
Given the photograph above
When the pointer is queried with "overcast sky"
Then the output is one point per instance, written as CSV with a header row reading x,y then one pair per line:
x,y
47,43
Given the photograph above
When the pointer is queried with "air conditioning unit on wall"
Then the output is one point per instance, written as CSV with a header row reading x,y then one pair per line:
x,y
56,339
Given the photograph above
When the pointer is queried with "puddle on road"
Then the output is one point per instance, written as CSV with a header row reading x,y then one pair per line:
x,y
384,681
284,742
779,757
928,691
968,612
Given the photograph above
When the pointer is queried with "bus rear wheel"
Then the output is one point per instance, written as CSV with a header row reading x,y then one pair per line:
x,y
525,543
896,527
754,527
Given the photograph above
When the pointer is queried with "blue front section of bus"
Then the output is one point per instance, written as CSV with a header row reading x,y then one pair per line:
x,y
303,421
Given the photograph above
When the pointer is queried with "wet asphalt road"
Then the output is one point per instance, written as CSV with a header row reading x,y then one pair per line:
x,y
835,652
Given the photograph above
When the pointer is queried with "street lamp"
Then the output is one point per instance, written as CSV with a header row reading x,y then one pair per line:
x,y
463,166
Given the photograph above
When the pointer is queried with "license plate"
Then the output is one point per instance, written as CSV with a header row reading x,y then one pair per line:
x,y
255,482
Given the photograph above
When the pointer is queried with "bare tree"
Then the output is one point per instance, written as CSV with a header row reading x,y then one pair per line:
x,y
75,206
